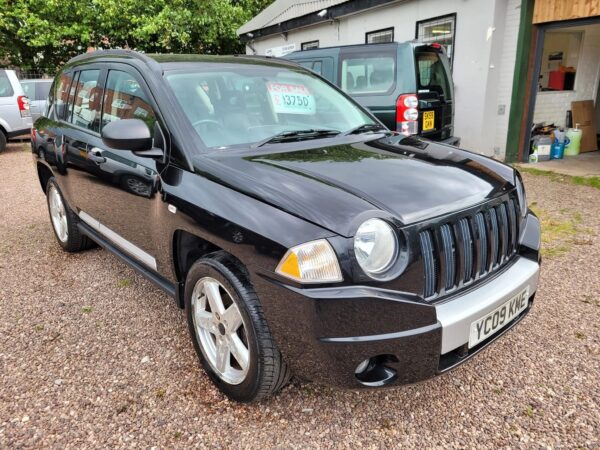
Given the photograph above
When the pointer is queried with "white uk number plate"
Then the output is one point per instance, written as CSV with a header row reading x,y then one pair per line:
x,y
496,320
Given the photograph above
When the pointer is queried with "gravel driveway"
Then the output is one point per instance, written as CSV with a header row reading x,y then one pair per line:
x,y
93,355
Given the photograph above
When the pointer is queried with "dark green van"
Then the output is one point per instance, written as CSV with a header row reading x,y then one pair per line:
x,y
408,86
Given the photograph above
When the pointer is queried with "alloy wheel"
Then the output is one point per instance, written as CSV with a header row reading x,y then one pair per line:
x,y
220,330
58,214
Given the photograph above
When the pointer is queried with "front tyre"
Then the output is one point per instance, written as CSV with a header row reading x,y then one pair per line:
x,y
64,221
229,331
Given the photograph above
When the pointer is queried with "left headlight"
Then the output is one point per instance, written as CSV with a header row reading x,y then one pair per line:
x,y
313,262
375,247
521,194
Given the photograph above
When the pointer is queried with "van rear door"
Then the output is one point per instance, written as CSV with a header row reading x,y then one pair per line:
x,y
435,92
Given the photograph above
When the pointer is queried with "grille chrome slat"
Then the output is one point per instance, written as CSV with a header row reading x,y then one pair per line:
x,y
449,256
495,237
428,263
457,253
512,218
467,242
503,225
482,243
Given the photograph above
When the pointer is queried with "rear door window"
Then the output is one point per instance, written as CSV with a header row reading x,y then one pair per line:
x,y
319,66
6,89
86,104
372,73
432,74
315,66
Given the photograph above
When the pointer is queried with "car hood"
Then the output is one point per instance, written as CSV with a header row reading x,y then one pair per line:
x,y
338,186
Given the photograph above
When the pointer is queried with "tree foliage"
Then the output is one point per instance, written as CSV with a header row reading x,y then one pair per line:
x,y
46,33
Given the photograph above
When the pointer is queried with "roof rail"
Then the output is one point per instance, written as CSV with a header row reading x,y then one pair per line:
x,y
112,52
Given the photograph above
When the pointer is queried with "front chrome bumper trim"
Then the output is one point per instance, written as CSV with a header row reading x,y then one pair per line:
x,y
456,315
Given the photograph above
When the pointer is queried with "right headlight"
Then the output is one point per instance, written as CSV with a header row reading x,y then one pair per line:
x,y
375,247
521,194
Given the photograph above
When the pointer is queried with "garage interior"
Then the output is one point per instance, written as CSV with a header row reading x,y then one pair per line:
x,y
566,105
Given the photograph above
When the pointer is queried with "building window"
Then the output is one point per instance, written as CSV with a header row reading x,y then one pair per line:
x,y
379,36
438,30
310,45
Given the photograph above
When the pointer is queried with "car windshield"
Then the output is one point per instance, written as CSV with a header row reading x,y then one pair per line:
x,y
241,105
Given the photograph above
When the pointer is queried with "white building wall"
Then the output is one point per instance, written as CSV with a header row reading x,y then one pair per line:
x,y
551,107
506,75
482,58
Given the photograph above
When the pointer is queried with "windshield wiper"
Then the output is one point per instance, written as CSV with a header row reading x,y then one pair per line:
x,y
365,127
296,135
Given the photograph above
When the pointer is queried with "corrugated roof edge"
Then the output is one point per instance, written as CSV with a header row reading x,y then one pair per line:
x,y
250,31
283,10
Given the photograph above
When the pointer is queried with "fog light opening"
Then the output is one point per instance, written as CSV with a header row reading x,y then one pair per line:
x,y
374,372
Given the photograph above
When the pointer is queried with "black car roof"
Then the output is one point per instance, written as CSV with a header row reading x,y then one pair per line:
x,y
173,61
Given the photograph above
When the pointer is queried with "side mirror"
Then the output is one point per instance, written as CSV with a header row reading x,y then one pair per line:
x,y
130,134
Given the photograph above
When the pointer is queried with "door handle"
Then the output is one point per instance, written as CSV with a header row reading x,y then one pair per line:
x,y
96,155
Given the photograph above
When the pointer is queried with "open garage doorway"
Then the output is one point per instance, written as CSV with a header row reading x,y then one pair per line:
x,y
565,89
564,93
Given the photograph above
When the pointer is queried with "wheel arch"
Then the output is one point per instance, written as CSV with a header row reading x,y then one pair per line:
x,y
4,127
44,174
187,248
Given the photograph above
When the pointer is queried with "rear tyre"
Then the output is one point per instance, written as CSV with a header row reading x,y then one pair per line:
x,y
3,141
229,331
64,221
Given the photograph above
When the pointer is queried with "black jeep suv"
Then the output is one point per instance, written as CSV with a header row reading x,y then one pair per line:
x,y
298,233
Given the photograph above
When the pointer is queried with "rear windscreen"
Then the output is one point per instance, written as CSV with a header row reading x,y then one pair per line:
x,y
28,89
370,73
432,74
42,90
6,89
36,90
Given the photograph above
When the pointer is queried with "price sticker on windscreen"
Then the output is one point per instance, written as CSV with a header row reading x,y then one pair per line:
x,y
291,98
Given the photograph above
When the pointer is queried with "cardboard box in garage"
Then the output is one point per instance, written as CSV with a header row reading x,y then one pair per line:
x,y
583,114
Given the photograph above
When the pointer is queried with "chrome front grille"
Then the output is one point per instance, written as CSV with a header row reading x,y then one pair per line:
x,y
456,253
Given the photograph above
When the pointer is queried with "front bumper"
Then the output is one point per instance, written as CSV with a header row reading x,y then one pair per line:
x,y
456,315
20,132
326,333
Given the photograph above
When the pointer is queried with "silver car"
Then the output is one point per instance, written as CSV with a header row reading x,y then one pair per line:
x,y
37,91
15,116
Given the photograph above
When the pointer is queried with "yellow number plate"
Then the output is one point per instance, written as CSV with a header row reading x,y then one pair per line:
x,y
428,120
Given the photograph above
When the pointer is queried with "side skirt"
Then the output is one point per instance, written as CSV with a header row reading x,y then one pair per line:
x,y
161,282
